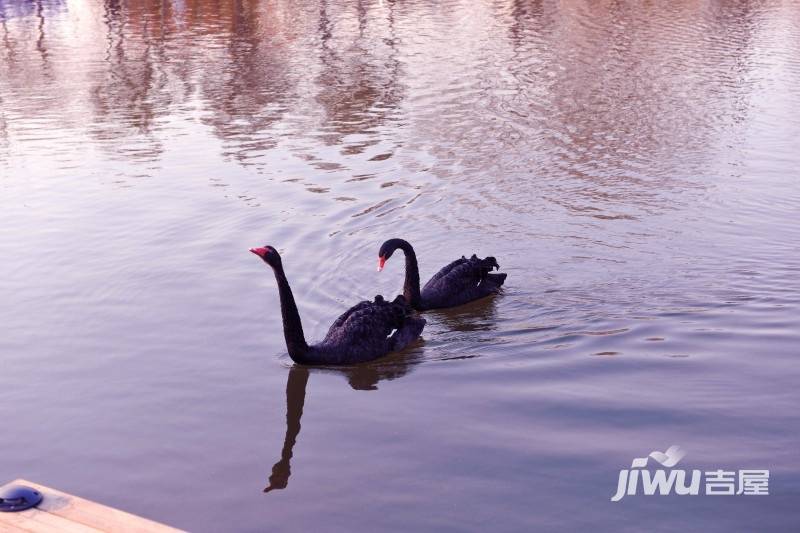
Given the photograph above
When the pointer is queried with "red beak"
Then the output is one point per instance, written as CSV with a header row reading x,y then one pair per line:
x,y
381,262
259,251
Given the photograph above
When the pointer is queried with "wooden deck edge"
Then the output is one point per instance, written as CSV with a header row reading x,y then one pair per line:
x,y
60,511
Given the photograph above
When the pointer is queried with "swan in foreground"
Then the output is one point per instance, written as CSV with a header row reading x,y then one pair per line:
x,y
366,331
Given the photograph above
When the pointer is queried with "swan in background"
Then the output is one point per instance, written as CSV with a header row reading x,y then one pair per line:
x,y
460,282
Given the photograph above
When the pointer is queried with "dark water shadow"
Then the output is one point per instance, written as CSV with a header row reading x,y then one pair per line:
x,y
480,315
360,377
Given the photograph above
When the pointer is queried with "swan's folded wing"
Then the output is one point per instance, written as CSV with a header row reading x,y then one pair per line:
x,y
460,275
366,323
344,316
445,270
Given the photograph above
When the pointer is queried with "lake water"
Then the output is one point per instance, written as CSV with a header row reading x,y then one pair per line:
x,y
633,167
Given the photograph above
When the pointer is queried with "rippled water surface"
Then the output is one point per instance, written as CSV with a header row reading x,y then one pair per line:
x,y
633,167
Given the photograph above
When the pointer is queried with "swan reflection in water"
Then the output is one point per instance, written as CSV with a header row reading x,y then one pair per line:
x,y
473,317
361,377
295,398
471,320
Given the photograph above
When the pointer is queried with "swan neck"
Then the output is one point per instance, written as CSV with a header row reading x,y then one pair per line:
x,y
292,326
411,285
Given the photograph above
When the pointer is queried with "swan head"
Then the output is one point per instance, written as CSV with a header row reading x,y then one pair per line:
x,y
269,255
386,251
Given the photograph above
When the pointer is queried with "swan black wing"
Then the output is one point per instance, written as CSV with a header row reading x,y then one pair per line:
x,y
367,323
368,330
462,281
462,273
344,316
445,270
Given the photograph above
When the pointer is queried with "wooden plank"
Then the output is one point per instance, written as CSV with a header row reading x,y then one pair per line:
x,y
8,528
36,521
60,511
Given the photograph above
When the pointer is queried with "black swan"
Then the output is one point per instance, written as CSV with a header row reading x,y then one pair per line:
x,y
366,331
462,281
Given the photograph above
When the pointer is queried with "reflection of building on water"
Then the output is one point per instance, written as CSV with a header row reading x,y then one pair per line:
x,y
518,83
250,85
29,8
4,144
245,64
246,69
360,71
